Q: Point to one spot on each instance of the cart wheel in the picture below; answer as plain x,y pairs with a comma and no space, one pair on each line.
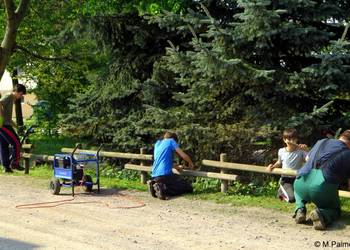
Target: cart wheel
87,187
55,186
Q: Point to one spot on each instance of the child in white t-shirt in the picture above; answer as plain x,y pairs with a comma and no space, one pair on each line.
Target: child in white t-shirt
290,157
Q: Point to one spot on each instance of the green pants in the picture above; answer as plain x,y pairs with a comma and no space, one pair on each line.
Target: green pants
313,188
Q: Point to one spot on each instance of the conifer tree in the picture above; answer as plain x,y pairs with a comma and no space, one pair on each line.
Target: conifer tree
274,63
220,74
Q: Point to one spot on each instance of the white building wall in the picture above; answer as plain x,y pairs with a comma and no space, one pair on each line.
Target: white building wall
6,87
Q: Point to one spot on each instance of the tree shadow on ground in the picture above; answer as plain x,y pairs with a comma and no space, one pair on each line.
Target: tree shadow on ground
106,192
103,192
15,244
342,222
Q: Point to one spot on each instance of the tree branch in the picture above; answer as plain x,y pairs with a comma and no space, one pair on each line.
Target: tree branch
22,9
45,58
345,32
10,9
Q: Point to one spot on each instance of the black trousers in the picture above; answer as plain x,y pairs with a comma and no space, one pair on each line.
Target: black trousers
174,184
9,136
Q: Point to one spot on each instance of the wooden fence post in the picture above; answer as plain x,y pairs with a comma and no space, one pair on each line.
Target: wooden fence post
26,160
224,183
143,173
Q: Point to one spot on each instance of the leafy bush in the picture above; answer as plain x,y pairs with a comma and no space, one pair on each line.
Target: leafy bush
126,174
43,118
206,185
254,189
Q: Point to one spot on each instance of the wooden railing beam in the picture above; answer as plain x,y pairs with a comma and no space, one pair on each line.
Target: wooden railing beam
120,155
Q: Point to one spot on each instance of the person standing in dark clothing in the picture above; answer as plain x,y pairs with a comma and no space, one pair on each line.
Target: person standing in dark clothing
8,135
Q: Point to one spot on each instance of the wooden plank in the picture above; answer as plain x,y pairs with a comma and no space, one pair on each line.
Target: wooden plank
37,157
344,194
224,183
112,154
186,172
259,169
27,146
143,176
137,167
246,167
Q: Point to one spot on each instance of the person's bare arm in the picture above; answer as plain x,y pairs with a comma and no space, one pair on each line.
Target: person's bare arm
277,164
178,167
303,147
185,157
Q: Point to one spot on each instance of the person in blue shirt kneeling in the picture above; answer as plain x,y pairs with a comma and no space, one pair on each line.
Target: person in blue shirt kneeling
164,182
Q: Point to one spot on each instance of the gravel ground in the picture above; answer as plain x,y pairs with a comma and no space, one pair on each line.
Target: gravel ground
178,223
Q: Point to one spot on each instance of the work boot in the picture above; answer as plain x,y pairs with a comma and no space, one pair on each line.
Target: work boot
150,187
7,170
300,216
17,167
159,190
317,220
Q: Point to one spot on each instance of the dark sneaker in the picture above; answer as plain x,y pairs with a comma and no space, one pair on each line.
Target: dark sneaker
159,190
317,220
17,167
300,216
151,188
7,170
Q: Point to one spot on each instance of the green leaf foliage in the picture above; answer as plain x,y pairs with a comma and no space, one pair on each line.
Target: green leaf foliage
221,72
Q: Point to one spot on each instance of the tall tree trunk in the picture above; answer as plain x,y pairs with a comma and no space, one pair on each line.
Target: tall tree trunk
18,104
13,20
7,47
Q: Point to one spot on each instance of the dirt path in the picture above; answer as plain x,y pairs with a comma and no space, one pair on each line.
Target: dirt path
174,224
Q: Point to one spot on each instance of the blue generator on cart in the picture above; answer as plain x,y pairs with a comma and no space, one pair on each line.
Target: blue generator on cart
69,170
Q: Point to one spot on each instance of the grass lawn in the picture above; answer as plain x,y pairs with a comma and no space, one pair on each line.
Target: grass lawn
49,145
